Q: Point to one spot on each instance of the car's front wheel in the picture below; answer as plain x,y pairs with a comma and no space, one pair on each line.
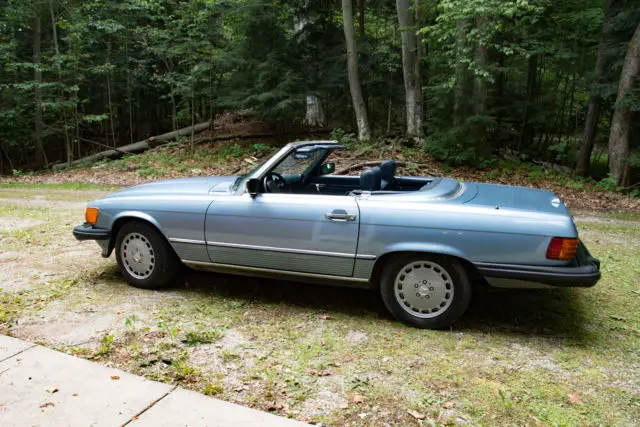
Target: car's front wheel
144,256
427,291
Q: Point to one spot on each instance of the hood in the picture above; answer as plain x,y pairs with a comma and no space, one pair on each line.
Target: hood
518,198
180,186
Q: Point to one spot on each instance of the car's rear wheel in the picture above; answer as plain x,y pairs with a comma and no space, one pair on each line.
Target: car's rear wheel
144,256
427,291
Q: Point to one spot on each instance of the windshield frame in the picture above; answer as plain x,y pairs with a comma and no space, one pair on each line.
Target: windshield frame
239,186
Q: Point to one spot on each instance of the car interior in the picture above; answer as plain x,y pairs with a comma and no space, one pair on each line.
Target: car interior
307,171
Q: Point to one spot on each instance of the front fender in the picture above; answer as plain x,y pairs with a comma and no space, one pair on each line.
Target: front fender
135,214
124,215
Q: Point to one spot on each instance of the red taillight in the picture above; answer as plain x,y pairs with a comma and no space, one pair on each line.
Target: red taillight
563,249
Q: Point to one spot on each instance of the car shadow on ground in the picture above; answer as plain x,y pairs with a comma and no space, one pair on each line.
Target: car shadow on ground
554,313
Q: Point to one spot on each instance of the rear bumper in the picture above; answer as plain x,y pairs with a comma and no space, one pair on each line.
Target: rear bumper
584,271
89,232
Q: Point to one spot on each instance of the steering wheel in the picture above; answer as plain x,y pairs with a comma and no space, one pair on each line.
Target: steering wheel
274,183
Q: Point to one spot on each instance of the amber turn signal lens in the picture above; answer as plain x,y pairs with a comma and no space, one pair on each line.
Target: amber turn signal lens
91,215
562,249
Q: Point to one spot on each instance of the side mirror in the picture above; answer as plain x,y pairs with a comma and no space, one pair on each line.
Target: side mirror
253,187
327,168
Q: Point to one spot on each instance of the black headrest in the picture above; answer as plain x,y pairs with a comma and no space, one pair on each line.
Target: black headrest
370,179
388,169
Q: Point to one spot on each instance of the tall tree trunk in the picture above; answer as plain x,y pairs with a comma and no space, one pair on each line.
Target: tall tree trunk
67,140
411,69
129,92
459,95
621,122
481,85
526,133
111,118
595,100
315,117
174,118
359,106
361,18
41,156
193,124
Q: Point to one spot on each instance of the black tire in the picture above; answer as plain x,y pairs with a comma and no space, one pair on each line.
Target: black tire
164,261
451,296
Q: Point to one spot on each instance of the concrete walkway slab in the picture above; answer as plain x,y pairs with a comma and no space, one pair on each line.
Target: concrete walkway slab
45,387
11,346
187,408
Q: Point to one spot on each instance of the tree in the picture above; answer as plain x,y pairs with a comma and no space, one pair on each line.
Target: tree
595,96
411,69
41,156
359,106
621,122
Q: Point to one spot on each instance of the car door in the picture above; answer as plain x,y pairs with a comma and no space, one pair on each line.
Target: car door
281,231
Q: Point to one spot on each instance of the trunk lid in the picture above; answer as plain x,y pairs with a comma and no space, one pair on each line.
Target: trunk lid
518,198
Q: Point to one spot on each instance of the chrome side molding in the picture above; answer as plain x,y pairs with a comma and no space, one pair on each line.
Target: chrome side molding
277,274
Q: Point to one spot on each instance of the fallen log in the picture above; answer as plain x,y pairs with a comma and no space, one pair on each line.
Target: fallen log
228,137
136,147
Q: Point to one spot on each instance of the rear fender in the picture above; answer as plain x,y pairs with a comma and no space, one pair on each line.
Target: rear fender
435,248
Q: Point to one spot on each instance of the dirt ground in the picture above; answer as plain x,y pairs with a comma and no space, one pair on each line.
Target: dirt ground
331,355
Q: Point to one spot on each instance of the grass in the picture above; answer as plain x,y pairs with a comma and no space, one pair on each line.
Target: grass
62,186
13,305
334,356
624,216
563,357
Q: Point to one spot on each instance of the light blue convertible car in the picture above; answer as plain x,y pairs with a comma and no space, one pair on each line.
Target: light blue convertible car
424,242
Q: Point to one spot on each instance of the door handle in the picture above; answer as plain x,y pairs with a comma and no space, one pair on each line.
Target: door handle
340,216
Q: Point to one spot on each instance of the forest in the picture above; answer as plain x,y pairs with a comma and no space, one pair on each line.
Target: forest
465,80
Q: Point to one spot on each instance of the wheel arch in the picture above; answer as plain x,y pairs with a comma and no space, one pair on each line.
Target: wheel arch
474,275
125,216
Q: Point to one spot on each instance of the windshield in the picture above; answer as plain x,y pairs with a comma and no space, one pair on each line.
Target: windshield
297,162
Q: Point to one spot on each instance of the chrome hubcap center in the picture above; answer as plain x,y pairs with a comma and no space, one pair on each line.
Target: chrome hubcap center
423,291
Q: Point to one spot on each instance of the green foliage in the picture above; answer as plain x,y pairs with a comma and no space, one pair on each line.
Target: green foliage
565,150
105,344
344,137
195,338
496,74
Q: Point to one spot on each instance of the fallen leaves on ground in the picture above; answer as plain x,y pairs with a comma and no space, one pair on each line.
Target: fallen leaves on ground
319,373
574,398
272,406
357,398
417,415
115,377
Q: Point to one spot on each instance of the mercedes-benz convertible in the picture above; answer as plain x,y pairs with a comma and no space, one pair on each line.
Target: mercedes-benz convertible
425,243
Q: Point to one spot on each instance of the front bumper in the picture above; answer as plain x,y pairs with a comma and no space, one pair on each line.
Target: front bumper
100,235
89,232
584,271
